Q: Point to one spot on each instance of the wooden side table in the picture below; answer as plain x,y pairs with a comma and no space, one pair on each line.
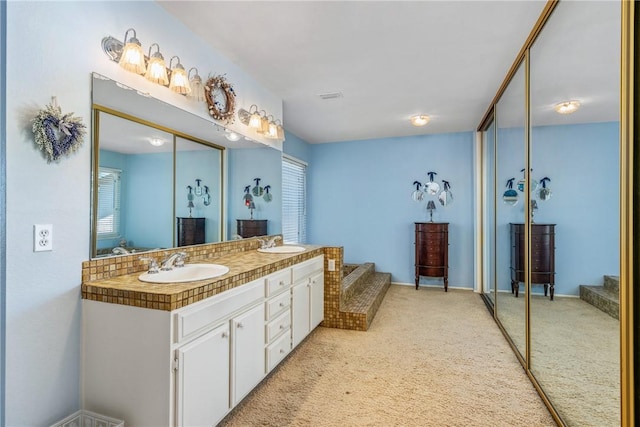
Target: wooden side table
432,251
190,231
252,227
542,257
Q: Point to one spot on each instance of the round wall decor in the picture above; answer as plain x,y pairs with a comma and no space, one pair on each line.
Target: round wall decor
220,98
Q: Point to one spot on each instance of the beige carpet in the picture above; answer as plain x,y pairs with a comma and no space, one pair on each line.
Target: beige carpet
430,358
575,355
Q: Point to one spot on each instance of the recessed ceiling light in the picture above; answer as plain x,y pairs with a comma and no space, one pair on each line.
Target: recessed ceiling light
567,107
156,142
419,119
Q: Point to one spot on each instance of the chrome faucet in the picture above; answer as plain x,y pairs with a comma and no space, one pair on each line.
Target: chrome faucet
153,264
174,260
120,250
266,244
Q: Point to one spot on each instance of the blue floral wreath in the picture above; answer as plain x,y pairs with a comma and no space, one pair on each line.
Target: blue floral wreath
57,134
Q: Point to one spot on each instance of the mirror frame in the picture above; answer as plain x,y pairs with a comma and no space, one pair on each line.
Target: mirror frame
95,154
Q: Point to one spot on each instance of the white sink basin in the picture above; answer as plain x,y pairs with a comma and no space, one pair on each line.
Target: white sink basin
188,273
283,250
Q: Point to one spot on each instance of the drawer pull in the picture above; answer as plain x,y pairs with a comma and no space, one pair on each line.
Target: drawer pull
281,304
281,326
240,325
282,351
224,335
281,283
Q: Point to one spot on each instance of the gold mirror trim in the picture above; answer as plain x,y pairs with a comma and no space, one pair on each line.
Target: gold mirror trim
626,215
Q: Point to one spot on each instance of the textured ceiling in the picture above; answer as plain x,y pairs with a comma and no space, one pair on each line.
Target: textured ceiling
391,59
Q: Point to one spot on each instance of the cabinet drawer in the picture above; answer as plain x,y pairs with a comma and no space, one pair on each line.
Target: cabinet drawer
277,351
198,316
277,304
307,268
278,282
278,325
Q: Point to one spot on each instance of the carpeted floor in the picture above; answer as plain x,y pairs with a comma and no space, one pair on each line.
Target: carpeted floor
575,355
430,358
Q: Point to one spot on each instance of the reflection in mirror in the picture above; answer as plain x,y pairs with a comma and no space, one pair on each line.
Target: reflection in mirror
198,195
576,57
124,101
489,151
510,158
135,181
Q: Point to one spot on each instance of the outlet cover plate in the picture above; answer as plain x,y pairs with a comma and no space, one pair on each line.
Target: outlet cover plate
42,237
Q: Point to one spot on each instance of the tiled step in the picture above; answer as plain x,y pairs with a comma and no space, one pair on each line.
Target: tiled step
612,283
363,304
602,297
352,282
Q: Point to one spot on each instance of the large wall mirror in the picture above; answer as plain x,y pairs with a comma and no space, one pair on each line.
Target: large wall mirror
162,178
575,348
553,250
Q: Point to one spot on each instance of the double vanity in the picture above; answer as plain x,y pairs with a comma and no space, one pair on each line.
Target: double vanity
185,353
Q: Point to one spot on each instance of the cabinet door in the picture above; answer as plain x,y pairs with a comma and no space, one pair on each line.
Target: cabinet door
203,379
300,311
317,300
248,351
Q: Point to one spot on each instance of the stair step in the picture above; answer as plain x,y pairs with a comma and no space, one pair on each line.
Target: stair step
612,283
352,283
603,298
363,305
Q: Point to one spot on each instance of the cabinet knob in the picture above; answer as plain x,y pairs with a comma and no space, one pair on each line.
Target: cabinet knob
224,335
281,283
240,325
281,304
281,326
282,351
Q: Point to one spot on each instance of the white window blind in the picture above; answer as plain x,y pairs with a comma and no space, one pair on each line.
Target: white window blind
294,205
108,203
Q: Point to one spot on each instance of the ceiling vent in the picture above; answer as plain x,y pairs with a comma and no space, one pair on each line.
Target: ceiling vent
330,95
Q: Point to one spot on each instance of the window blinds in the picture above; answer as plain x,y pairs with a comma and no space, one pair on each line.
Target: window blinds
108,203
294,209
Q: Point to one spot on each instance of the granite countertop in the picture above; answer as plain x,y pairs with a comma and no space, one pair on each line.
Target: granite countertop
243,266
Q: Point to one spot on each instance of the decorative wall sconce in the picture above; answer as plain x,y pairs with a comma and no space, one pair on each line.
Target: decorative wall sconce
261,123
132,57
179,82
197,87
156,68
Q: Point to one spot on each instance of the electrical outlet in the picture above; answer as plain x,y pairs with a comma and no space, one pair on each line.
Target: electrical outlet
42,237
332,265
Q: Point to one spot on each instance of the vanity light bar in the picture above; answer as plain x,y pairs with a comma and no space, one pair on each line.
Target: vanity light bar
152,66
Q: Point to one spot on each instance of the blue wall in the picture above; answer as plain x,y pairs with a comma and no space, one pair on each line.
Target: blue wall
359,196
296,147
244,165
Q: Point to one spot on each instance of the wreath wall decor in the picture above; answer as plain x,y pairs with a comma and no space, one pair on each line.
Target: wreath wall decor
57,134
221,98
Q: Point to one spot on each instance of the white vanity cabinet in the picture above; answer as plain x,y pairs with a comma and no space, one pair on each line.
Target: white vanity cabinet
203,379
248,352
191,366
307,297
